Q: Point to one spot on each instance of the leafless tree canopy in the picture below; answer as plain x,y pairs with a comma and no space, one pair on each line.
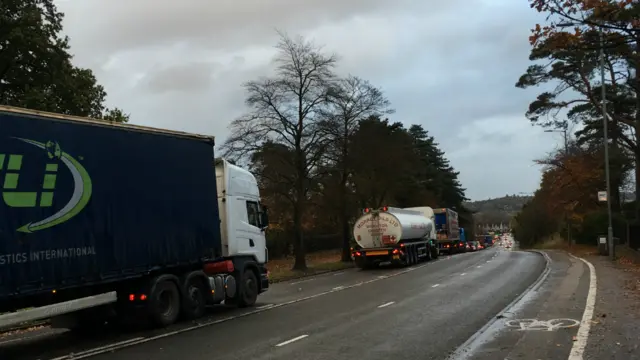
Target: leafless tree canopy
287,109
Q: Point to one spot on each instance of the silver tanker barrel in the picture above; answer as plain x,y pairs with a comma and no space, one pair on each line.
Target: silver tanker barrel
395,235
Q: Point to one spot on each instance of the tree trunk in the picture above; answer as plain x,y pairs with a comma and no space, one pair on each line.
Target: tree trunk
637,163
346,237
344,218
298,244
301,260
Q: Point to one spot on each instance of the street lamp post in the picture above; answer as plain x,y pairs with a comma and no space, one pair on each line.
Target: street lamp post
564,130
605,126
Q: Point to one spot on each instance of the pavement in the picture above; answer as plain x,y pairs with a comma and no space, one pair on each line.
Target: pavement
615,329
492,304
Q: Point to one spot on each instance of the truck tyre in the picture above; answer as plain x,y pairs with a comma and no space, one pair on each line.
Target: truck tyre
194,303
414,255
164,303
248,289
434,252
409,256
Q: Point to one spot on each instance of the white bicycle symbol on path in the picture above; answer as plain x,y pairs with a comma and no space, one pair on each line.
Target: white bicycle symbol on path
539,325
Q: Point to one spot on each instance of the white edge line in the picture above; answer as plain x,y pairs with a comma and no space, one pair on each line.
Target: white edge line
95,351
577,350
292,340
465,350
386,304
301,281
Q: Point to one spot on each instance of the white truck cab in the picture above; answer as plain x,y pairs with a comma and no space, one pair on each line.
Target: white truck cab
243,219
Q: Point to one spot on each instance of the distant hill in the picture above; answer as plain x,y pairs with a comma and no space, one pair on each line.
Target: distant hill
495,211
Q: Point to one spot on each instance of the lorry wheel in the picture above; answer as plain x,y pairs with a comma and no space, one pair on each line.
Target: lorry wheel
194,303
248,289
434,253
164,303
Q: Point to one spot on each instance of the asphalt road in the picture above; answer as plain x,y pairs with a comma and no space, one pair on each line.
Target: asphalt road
424,312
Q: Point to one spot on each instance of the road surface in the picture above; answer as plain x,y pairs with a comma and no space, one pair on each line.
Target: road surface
425,312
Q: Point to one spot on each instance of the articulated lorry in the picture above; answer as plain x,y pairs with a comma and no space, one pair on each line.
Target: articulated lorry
394,235
102,221
450,236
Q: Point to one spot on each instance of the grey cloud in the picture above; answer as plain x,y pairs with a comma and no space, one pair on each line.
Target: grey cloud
118,25
445,65
189,77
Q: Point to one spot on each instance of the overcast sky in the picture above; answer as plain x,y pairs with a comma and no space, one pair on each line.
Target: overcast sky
448,65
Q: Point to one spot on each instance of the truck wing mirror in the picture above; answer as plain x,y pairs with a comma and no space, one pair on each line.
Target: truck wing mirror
264,217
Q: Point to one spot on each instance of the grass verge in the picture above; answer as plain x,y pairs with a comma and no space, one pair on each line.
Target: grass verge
317,263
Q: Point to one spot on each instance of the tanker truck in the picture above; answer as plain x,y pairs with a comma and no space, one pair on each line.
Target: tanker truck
394,235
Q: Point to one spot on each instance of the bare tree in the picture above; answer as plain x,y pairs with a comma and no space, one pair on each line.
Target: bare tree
286,109
352,99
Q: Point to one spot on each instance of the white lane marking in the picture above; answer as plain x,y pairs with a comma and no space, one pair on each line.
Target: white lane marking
339,273
488,261
479,266
577,350
337,288
264,306
292,340
124,344
436,285
386,304
98,350
463,274
301,281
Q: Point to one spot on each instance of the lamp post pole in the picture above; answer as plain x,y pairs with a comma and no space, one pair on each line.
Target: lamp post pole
605,129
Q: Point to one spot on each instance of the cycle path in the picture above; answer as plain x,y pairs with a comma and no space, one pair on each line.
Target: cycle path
549,322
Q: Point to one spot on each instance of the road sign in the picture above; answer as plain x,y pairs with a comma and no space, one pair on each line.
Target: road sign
602,196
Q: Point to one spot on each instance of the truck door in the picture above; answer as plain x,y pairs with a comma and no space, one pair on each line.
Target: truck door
251,238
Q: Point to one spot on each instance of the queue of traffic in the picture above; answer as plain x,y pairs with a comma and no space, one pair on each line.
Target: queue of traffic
406,236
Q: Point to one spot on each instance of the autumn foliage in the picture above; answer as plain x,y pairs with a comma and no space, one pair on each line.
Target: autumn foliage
570,182
585,55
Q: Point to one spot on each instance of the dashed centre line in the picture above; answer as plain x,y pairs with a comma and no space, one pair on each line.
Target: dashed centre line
386,304
292,340
463,274
436,285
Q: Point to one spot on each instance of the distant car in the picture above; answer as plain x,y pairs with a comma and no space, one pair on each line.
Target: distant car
474,245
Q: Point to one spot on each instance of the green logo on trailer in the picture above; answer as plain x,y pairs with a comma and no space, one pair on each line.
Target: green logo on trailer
80,197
